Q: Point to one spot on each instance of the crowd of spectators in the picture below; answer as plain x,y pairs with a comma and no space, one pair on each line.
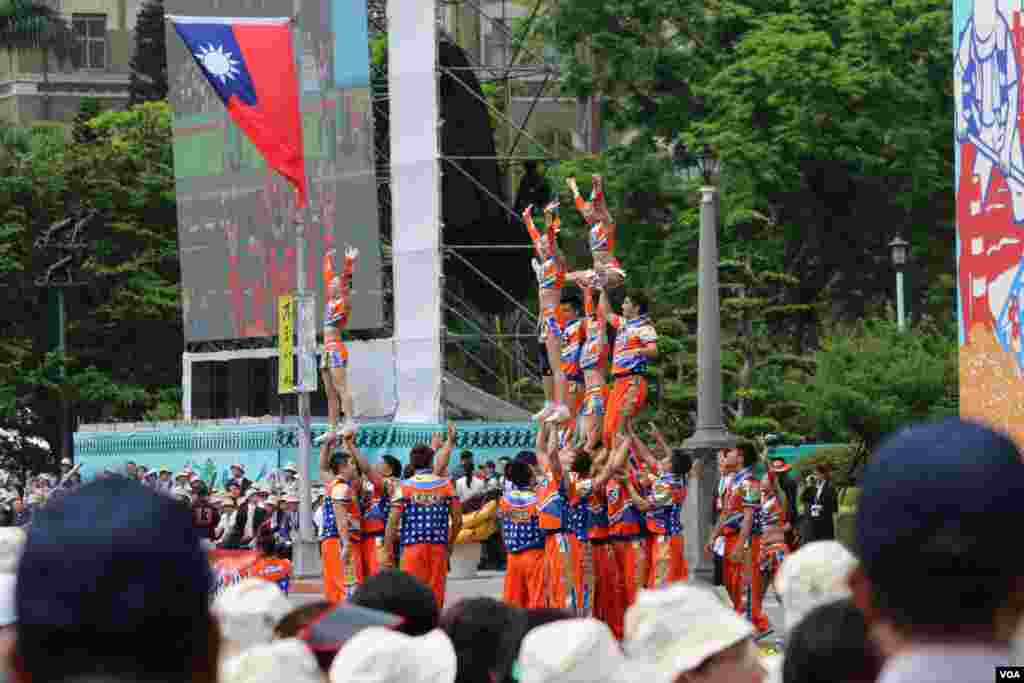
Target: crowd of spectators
111,583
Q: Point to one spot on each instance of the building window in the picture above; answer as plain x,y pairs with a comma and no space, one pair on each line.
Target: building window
90,48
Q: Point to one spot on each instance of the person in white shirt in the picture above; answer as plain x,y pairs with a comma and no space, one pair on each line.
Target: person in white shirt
468,485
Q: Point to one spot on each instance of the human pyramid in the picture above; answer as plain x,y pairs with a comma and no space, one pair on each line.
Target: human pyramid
595,514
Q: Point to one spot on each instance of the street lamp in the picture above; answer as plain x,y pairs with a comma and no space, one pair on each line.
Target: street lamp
898,249
711,434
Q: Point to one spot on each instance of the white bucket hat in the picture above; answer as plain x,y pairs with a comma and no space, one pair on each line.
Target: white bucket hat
12,543
672,630
290,467
573,651
282,660
380,655
816,574
247,612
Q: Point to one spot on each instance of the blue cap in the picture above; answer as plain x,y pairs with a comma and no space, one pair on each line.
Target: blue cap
934,484
117,561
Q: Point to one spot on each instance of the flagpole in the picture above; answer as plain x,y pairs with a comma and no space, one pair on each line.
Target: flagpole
305,556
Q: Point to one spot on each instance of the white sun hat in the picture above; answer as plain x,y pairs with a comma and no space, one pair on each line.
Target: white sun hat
672,630
282,660
247,612
12,543
8,615
290,467
574,651
816,574
380,655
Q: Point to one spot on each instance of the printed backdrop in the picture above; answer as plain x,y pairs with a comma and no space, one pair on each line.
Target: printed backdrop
988,55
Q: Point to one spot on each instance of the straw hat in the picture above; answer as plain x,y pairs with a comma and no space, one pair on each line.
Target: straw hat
573,651
380,655
814,575
672,630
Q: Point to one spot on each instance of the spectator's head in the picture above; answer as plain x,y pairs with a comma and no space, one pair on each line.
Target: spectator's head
107,571
248,611
503,462
270,503
131,470
380,655
165,474
572,651
486,634
748,453
66,465
635,304
195,483
520,474
490,469
817,573
466,459
291,503
237,471
273,662
685,633
572,305
823,470
421,457
831,644
234,490
343,466
403,594
389,466
290,471
935,562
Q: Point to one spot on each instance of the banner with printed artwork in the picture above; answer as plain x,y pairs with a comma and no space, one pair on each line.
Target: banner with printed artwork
213,467
988,55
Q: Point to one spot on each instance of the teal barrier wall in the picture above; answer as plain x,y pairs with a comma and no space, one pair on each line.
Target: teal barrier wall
262,449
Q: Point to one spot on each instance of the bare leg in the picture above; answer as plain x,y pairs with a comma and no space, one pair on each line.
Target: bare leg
340,377
549,388
555,358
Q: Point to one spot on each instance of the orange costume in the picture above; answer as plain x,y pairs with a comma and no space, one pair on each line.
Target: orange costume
665,532
629,391
559,574
524,540
273,569
375,504
626,531
336,313
425,502
342,573
743,494
572,345
609,594
576,527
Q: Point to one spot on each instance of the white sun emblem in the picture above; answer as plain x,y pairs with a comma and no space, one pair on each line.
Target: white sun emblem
218,62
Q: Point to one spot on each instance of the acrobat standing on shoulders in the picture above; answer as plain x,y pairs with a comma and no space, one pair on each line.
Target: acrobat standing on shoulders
334,362
601,236
550,269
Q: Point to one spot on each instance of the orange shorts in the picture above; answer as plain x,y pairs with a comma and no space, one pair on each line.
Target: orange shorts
524,579
340,578
428,562
609,598
631,560
559,575
627,398
373,555
668,563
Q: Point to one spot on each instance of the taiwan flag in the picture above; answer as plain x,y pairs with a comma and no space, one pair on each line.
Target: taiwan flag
251,66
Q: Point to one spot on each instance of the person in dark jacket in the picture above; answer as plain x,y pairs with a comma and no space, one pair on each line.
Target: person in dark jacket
789,487
820,505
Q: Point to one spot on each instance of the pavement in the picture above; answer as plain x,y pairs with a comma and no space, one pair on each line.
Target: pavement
490,583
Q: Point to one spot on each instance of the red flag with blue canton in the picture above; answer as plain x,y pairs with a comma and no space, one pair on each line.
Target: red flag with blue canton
251,66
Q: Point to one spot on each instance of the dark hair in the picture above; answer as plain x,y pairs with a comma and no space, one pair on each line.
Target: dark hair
394,464
93,586
582,463
338,460
490,463
639,297
824,469
519,473
408,471
960,579
296,620
573,299
681,462
421,457
748,451
403,594
266,544
545,615
831,643
486,635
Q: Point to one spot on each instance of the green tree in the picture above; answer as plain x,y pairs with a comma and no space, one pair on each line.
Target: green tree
149,63
871,379
832,119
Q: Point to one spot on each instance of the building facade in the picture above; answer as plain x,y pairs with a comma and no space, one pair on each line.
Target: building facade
35,87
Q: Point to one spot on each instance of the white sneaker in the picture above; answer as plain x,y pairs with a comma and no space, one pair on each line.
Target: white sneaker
326,436
349,428
560,414
544,413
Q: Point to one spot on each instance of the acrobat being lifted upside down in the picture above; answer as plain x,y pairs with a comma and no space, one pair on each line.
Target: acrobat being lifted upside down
334,362
550,269
601,238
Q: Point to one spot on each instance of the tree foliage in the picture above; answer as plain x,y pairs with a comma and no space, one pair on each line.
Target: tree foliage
149,62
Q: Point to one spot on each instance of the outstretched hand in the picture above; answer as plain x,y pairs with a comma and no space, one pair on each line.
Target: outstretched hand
552,206
351,253
528,211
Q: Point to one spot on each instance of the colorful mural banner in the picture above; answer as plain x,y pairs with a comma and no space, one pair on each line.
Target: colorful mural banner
988,56
213,467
